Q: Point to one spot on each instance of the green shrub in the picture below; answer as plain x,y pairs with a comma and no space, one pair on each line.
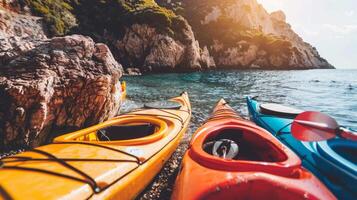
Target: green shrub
270,43
148,12
95,16
40,9
56,13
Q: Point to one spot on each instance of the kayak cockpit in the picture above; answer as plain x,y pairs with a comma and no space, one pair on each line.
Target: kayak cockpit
340,151
121,132
241,144
237,146
128,130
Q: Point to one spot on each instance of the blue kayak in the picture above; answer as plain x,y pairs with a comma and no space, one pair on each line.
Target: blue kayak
333,161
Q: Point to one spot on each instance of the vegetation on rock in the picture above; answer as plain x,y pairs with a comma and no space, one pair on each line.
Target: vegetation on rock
243,34
56,13
270,43
230,34
235,26
113,15
98,16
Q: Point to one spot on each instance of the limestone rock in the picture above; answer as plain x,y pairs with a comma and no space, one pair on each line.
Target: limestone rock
132,71
207,60
18,33
155,51
278,16
16,6
223,25
13,24
53,84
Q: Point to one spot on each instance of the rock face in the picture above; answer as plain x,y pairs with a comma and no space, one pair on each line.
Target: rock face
53,84
17,6
47,85
144,47
25,26
150,38
18,34
242,34
145,36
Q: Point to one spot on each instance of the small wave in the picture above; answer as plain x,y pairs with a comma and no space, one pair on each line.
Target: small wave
350,87
314,81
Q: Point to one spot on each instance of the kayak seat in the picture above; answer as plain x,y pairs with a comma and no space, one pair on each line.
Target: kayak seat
251,146
125,132
279,110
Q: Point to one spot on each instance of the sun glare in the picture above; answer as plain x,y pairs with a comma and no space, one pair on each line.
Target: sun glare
272,5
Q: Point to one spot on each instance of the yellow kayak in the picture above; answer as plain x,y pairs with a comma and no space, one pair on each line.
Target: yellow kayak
123,90
116,159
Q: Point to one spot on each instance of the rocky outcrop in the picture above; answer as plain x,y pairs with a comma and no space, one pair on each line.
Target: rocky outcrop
149,50
23,26
147,37
54,84
48,85
242,34
17,6
304,54
18,33
150,38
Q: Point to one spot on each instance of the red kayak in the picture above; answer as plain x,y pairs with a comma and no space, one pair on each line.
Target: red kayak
232,158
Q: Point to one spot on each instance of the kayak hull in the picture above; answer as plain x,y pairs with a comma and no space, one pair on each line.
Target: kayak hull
198,182
337,173
120,169
276,174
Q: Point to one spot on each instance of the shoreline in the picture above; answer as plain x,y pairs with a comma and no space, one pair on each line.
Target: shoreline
232,70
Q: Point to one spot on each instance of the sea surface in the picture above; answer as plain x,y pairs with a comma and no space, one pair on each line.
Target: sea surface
333,92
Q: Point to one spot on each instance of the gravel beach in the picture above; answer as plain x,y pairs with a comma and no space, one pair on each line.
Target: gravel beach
162,186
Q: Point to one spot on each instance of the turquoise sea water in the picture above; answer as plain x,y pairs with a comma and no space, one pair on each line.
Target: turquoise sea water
330,91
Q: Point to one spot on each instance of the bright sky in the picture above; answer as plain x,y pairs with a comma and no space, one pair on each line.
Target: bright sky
329,25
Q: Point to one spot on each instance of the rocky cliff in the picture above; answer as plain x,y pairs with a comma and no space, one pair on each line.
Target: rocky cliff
242,34
143,35
153,37
47,85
